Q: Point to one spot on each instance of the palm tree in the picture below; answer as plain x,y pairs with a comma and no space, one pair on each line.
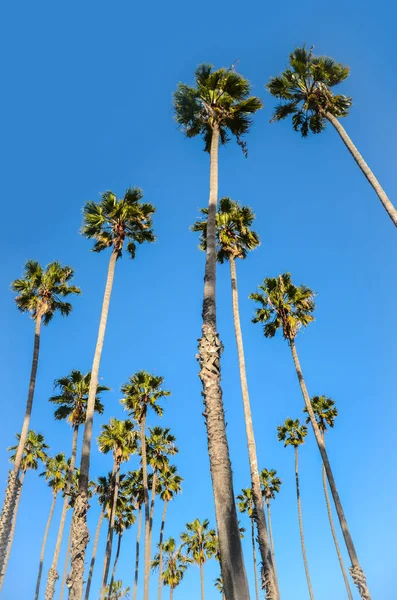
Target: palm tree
326,412
110,223
218,106
292,433
116,591
170,486
72,403
246,504
235,239
118,437
305,91
201,544
56,469
219,586
270,487
125,518
143,391
288,307
175,564
39,293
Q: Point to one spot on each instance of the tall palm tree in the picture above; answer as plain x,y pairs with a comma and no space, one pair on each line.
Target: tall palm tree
219,586
125,518
56,470
245,504
326,412
305,91
201,544
72,403
270,487
175,564
292,433
111,223
289,308
116,591
235,239
119,437
219,105
170,486
39,293
141,392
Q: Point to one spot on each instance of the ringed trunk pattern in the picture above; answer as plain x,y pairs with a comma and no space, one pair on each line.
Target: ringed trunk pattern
298,497
14,522
160,585
65,567
138,541
47,529
94,551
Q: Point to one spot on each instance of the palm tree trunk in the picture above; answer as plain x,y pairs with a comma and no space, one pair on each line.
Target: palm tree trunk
47,529
109,541
146,575
80,533
160,585
269,520
298,497
269,573
387,205
334,536
171,592
115,561
153,497
53,575
94,551
138,541
14,522
202,580
356,571
65,566
254,558
13,484
210,348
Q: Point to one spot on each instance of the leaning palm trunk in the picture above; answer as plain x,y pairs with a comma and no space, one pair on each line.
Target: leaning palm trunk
116,560
65,566
254,558
356,571
210,349
268,570
13,484
53,573
109,541
298,497
14,522
47,529
146,575
202,580
80,533
387,205
94,551
138,541
160,586
269,520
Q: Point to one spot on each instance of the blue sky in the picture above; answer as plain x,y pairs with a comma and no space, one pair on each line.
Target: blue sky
87,106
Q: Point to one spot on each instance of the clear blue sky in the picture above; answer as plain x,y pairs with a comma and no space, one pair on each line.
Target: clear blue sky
87,106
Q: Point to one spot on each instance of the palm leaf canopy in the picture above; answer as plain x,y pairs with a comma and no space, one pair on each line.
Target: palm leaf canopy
283,305
33,452
292,433
118,437
304,90
159,445
40,291
270,483
112,221
175,563
116,591
169,483
245,502
142,391
56,471
233,234
324,410
201,542
134,487
219,98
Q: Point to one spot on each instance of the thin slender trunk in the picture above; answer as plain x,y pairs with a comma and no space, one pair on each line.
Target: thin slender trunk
146,575
43,545
13,484
160,586
298,497
269,573
138,541
254,558
109,541
153,497
210,349
269,520
171,593
80,533
202,580
116,560
14,522
387,205
53,575
356,571
66,564
334,536
94,551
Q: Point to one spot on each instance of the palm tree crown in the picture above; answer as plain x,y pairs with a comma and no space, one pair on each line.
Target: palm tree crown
118,437
169,483
246,502
73,396
143,390
117,592
270,483
111,221
305,91
56,470
325,412
292,433
234,236
159,444
219,99
174,563
33,452
200,541
40,290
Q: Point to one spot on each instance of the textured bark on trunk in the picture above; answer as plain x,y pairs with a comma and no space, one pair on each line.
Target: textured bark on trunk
138,542
160,585
43,545
53,575
93,558
14,522
146,575
356,571
202,580
298,497
109,540
116,560
269,520
80,533
210,348
66,564
254,558
387,205
268,571
13,484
